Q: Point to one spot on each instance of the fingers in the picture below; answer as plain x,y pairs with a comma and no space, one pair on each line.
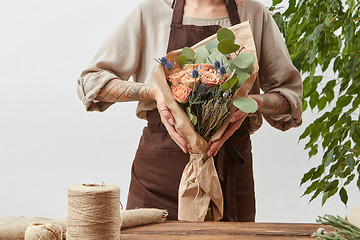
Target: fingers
165,113
215,146
237,116
168,120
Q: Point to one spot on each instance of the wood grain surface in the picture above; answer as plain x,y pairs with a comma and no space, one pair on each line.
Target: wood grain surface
221,230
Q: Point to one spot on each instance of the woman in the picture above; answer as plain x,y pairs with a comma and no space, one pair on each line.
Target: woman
156,27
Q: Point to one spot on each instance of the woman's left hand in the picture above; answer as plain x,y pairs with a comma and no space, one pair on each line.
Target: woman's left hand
236,120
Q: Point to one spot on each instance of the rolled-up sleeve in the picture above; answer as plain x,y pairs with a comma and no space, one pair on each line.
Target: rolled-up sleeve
278,75
117,58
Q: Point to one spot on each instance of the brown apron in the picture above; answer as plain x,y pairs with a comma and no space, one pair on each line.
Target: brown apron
159,162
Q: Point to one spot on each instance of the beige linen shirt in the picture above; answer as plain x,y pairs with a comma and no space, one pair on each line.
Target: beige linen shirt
130,51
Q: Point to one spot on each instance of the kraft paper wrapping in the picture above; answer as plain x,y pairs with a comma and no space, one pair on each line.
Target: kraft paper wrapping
199,182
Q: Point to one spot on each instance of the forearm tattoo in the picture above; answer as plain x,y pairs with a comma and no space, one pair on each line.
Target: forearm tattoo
273,103
124,91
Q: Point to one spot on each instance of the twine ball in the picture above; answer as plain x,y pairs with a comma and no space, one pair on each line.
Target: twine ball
93,212
43,231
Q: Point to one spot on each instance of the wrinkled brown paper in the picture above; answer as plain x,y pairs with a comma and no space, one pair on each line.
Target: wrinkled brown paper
199,182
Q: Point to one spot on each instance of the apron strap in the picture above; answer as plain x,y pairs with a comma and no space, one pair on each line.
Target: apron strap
178,12
232,11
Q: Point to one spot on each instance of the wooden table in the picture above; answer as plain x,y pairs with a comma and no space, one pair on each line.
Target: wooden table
221,230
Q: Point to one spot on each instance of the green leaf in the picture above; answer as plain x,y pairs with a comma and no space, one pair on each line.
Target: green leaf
324,198
311,188
213,50
181,60
307,176
230,82
242,77
331,186
247,105
305,133
192,117
349,179
202,52
219,57
304,105
276,2
211,44
353,64
343,101
343,195
188,53
322,103
225,34
291,8
329,157
313,151
314,99
317,30
317,173
350,161
227,46
244,60
200,60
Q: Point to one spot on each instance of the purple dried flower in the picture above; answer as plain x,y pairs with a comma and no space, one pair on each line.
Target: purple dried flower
168,66
222,70
195,73
216,65
163,60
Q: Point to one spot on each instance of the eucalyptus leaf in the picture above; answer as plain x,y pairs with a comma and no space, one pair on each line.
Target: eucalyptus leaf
216,56
225,34
244,60
200,60
211,44
181,60
188,53
213,50
202,52
227,46
247,105
242,76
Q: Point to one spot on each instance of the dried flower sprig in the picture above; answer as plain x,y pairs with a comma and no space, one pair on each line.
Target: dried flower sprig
343,229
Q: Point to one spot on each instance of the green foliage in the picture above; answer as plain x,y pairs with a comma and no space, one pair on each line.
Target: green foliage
323,39
247,105
226,40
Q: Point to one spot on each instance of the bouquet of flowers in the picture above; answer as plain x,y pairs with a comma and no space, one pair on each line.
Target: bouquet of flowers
202,86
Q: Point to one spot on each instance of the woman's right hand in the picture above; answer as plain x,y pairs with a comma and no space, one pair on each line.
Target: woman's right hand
167,118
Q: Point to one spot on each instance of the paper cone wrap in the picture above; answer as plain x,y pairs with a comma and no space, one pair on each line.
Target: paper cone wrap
199,182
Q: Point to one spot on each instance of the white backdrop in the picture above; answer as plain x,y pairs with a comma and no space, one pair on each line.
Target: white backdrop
48,141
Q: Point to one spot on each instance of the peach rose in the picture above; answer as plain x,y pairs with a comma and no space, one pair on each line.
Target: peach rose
188,81
209,78
180,92
175,78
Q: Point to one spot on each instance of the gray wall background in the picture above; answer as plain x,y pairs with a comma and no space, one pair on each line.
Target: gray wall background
48,141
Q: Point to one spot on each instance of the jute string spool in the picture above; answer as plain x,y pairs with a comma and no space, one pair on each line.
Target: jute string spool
93,212
43,231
